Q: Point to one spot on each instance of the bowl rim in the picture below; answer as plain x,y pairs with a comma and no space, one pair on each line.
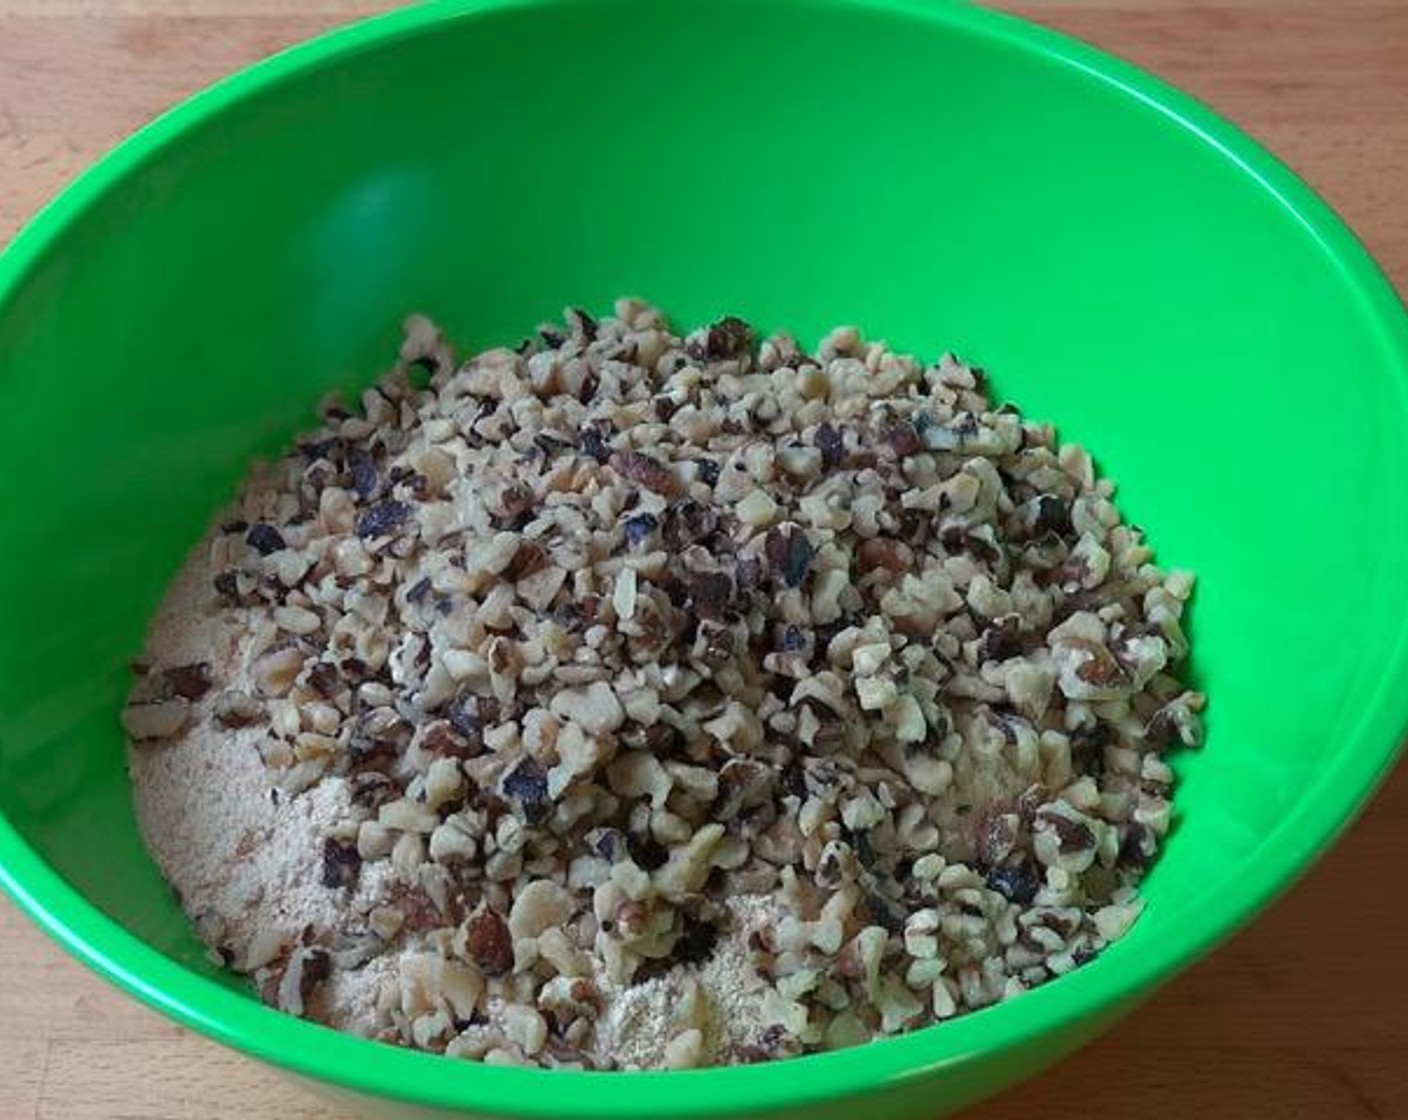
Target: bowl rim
1040,1017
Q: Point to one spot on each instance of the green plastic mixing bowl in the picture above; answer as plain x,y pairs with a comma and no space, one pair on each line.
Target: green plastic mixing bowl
1126,264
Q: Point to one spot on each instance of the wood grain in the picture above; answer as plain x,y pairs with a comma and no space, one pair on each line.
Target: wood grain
1303,1016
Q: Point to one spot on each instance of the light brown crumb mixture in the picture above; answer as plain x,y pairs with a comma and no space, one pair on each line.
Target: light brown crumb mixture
626,700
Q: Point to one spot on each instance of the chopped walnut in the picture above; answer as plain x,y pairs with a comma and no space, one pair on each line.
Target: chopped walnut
610,631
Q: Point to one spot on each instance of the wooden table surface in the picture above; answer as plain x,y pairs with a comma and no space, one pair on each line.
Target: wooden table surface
1303,1016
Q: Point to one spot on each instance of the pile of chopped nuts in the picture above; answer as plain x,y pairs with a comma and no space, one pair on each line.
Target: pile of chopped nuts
608,629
